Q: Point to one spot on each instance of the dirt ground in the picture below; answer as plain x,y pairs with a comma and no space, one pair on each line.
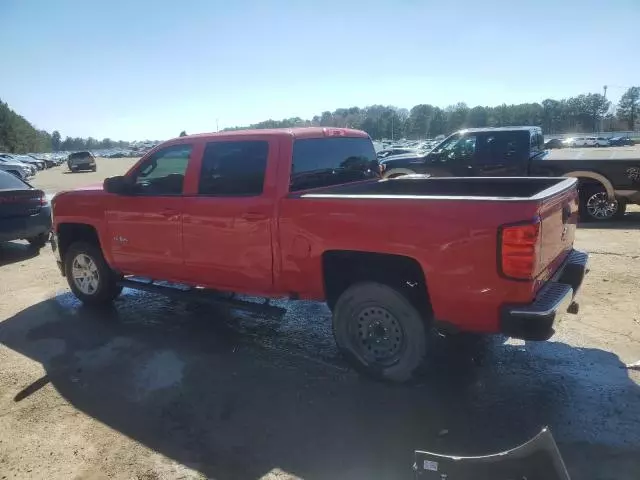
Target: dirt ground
157,388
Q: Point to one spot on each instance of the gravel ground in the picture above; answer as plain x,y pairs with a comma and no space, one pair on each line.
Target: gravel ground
157,388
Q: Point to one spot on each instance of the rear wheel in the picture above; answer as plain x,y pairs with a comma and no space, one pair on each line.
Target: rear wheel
596,206
89,276
379,331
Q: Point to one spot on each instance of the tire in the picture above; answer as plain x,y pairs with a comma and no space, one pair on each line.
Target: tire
105,288
369,310
94,169
39,241
592,200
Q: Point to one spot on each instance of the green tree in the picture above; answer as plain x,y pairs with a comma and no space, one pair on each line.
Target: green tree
419,121
183,133
595,106
629,106
478,117
55,140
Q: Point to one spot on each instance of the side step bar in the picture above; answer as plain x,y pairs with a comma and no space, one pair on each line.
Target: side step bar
183,292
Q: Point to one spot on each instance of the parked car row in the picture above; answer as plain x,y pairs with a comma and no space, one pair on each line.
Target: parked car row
589,142
25,166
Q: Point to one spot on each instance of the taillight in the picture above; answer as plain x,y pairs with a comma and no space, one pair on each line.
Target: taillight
43,199
519,250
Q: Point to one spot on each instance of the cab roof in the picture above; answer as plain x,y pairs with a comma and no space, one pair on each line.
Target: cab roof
501,129
300,132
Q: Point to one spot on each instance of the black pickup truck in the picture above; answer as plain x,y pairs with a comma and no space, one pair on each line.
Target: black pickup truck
609,178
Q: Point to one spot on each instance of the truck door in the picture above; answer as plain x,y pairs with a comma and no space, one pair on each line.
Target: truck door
501,154
145,226
227,223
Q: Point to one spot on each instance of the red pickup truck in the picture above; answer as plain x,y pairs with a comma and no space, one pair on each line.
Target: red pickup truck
304,214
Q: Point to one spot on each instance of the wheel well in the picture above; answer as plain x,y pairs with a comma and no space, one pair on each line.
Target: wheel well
343,268
589,183
73,232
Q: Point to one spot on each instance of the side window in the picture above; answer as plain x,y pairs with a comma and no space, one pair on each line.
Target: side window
234,168
497,148
537,142
321,162
463,149
163,172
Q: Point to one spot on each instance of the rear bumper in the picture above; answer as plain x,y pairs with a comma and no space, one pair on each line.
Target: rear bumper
26,227
82,166
536,321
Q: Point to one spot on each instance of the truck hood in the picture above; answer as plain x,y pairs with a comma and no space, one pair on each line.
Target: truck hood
87,189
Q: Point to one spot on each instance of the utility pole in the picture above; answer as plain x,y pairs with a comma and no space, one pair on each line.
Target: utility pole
392,128
217,129
605,98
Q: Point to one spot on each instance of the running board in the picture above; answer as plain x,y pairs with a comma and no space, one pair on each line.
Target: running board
183,292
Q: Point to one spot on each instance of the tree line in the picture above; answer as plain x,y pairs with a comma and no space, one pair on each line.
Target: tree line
581,114
17,135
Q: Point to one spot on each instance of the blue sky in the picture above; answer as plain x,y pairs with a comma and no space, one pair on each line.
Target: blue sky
148,69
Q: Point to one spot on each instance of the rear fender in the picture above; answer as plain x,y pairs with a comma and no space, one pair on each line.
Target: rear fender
595,176
397,171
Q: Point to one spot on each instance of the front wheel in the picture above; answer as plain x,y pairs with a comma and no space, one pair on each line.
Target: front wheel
89,276
379,331
596,206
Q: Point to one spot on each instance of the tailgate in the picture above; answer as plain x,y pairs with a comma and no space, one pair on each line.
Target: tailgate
558,221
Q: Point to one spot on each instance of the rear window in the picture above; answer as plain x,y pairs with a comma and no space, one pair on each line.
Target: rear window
77,155
320,162
11,182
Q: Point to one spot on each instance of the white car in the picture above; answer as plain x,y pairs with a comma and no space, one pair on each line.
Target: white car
588,142
582,142
19,169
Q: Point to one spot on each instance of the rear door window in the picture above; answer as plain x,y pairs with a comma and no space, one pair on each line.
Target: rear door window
498,148
234,168
321,162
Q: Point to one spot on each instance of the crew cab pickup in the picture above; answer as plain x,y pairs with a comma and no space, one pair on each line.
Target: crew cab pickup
304,214
609,178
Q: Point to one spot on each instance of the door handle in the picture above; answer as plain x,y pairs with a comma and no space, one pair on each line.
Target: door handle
253,217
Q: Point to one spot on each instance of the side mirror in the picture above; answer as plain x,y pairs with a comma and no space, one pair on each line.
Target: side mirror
119,185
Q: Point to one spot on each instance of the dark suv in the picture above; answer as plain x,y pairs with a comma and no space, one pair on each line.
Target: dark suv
81,161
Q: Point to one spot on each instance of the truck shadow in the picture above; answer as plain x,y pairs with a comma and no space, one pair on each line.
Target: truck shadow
14,252
234,396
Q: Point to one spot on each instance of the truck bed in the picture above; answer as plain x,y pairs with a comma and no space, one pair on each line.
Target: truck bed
454,188
631,154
